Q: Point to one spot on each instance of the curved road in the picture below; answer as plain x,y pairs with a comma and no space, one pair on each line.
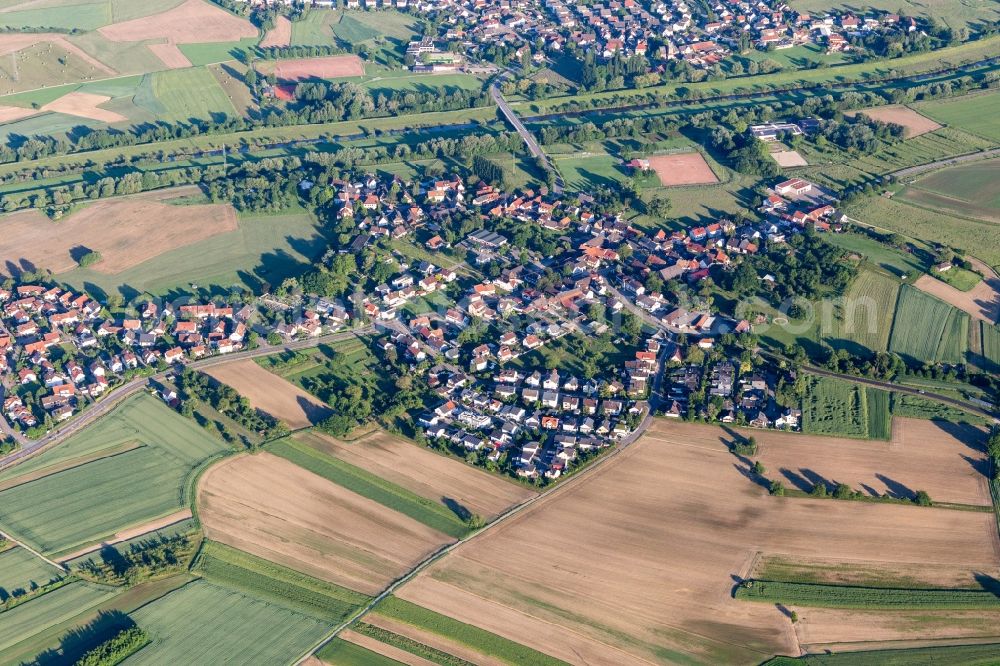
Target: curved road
118,394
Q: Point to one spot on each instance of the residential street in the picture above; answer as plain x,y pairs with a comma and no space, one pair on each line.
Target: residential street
113,398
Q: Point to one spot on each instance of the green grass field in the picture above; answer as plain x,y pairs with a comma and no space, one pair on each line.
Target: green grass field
989,347
339,652
864,313
466,634
972,113
912,406
589,171
839,408
954,341
893,260
83,16
35,616
213,52
869,598
976,237
879,414
966,190
212,624
384,33
967,655
960,278
22,572
923,328
72,506
266,580
189,94
430,512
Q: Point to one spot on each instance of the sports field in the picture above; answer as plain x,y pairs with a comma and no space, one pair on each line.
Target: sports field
682,169
926,329
584,173
637,565
128,468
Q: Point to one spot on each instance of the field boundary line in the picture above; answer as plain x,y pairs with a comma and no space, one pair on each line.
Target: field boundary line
31,550
570,483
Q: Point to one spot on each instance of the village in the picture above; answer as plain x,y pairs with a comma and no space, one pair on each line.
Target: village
701,35
62,350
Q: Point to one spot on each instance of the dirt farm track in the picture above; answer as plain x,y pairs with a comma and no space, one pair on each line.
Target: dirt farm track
637,565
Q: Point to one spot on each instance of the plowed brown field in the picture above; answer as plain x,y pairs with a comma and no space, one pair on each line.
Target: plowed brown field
193,22
277,510
637,563
423,472
270,393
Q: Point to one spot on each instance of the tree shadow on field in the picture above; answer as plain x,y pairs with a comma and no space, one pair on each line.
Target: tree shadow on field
75,643
797,480
895,488
967,434
746,470
988,583
457,508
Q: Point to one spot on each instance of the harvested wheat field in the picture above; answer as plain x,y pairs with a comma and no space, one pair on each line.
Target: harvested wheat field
914,123
789,158
170,55
270,393
12,42
947,460
126,231
193,22
84,105
275,509
682,169
637,563
982,301
329,67
423,472
279,35
12,113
